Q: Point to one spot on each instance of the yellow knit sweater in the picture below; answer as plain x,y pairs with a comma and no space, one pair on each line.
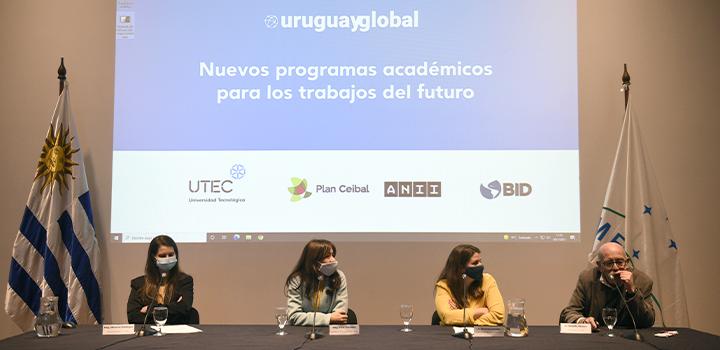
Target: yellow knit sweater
491,299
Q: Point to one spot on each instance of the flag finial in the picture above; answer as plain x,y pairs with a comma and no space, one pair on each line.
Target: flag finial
62,74
625,84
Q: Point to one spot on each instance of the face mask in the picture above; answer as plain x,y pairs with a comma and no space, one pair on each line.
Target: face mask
328,269
166,264
475,272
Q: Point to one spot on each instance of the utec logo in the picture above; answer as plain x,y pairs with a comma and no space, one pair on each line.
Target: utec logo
354,23
217,185
507,189
237,171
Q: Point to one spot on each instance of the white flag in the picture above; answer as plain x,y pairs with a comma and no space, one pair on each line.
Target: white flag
55,251
634,216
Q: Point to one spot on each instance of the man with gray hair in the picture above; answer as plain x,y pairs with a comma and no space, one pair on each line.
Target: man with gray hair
597,288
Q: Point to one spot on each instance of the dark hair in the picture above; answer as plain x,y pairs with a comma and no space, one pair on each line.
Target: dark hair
307,267
152,273
454,269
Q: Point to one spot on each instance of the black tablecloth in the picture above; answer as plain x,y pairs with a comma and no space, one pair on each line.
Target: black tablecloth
371,337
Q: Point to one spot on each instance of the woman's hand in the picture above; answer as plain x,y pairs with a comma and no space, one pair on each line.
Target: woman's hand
144,309
480,311
453,305
338,317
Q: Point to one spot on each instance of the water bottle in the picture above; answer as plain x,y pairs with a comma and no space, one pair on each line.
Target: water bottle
516,324
47,321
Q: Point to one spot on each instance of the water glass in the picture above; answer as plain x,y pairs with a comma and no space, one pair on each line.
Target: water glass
160,315
281,317
406,315
609,315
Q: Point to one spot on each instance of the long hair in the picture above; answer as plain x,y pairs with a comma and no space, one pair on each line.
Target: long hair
454,269
152,273
307,267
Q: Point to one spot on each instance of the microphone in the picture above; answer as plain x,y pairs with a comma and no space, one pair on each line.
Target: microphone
466,333
313,334
637,336
615,277
141,331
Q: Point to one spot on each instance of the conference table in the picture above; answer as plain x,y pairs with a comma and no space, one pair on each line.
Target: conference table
370,337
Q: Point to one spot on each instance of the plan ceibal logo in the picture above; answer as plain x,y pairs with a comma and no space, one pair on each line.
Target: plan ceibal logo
298,190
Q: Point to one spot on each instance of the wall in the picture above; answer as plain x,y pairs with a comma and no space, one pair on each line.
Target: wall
672,51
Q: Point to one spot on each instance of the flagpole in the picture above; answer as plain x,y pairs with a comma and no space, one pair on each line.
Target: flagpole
626,89
62,74
626,84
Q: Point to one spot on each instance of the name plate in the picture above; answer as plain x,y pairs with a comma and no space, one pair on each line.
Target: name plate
575,328
458,331
344,329
118,329
487,331
481,331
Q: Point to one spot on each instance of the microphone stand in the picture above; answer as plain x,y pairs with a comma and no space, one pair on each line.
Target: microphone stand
466,333
141,331
313,334
637,336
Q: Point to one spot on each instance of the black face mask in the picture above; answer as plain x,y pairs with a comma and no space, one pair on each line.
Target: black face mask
475,272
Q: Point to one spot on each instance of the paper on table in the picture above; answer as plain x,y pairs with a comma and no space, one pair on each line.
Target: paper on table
177,329
666,334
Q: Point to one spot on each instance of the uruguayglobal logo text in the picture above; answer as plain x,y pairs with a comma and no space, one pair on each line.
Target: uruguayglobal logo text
353,23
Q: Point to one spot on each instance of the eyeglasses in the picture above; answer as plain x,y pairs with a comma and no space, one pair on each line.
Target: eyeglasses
620,263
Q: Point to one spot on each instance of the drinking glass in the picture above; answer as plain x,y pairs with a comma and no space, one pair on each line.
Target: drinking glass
609,315
281,318
160,315
406,314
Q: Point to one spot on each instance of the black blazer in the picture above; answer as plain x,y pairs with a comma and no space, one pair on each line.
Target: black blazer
178,311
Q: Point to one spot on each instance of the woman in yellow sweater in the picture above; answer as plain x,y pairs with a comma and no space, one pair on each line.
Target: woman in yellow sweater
462,285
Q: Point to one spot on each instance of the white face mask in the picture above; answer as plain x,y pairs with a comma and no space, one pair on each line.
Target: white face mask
328,269
166,264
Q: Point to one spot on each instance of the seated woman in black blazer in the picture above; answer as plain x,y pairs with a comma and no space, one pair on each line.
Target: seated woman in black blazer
163,281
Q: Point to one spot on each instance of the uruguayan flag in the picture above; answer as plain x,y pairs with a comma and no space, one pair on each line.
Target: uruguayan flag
55,251
634,215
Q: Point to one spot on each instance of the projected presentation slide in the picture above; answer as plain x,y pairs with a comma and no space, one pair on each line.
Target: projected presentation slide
240,121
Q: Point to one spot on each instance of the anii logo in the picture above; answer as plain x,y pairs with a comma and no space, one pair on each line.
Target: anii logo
508,189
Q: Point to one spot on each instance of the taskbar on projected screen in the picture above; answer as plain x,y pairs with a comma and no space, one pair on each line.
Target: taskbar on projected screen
246,237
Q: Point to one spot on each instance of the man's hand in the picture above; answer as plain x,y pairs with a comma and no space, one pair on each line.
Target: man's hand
627,280
338,317
590,320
